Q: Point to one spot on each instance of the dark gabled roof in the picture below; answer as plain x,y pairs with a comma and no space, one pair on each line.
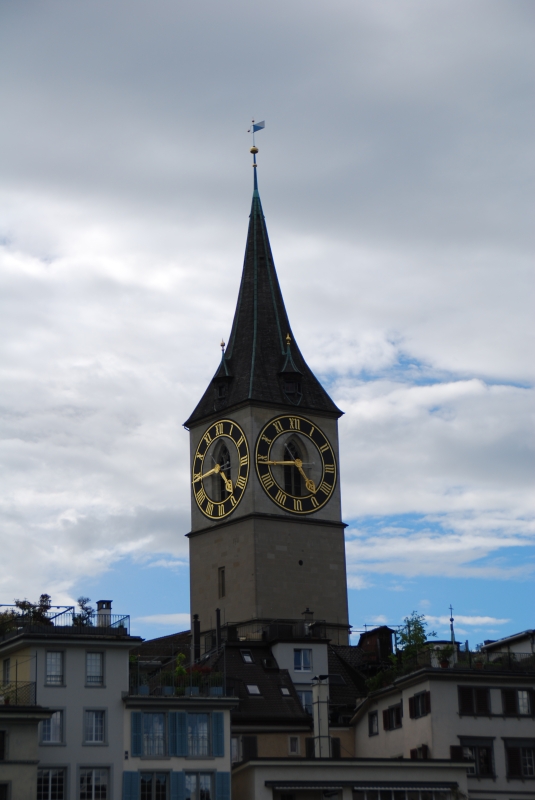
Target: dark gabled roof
258,352
351,685
270,707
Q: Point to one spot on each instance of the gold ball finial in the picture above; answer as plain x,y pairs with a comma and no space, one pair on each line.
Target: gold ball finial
288,338
254,150
222,344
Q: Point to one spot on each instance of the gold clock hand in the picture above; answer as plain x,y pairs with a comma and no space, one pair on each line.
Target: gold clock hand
216,469
311,486
279,463
227,482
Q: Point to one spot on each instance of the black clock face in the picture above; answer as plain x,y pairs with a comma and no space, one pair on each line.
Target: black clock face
220,469
295,464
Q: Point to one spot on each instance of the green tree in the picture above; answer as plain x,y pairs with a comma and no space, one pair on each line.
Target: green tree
413,636
85,612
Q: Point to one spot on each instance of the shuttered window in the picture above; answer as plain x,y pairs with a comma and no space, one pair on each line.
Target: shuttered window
474,700
520,758
420,705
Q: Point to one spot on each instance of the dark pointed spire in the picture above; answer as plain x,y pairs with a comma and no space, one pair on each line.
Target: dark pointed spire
261,363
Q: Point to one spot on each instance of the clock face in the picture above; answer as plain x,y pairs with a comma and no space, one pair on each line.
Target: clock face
295,464
220,469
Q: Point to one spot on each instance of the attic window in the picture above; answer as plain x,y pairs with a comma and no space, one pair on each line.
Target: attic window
292,388
285,691
247,656
252,688
221,390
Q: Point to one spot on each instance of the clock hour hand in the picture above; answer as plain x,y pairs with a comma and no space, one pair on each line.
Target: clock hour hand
227,482
311,486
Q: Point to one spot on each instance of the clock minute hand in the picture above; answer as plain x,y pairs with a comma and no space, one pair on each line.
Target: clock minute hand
311,486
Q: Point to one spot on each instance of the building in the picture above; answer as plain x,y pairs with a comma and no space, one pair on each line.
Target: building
473,710
115,727
19,725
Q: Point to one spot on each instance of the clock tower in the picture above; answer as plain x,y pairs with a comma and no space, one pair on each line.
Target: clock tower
267,538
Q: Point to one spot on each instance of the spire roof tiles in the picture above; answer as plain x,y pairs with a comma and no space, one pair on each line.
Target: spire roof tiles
259,353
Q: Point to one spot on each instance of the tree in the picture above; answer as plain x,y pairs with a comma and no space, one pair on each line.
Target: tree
413,636
26,612
85,612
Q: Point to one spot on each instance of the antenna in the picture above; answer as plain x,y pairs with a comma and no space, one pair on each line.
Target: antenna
451,626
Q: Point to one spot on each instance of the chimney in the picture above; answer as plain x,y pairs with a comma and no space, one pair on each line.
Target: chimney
104,613
320,713
196,639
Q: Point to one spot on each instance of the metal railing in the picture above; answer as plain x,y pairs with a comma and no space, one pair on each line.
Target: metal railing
61,619
17,693
263,630
171,674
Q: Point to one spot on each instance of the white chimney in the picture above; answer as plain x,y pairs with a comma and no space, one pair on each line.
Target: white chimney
320,714
104,613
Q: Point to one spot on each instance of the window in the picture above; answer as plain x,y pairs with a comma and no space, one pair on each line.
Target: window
392,717
54,669
52,729
199,786
6,669
94,673
303,660
50,784
235,749
292,476
221,581
252,688
292,388
153,786
517,702
520,758
336,747
247,656
4,787
285,691
198,734
94,721
153,733
293,745
478,751
403,794
249,746
94,784
373,723
221,477
305,697
420,753
473,700
420,705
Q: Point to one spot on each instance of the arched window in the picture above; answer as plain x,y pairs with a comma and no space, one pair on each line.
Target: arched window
223,460
292,476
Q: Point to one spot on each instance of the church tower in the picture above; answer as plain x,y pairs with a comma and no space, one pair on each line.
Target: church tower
267,539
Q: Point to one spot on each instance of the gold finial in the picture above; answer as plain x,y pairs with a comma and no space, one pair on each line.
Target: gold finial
288,339
222,345
254,150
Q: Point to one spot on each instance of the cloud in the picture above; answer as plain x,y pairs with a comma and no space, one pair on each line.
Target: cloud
401,236
466,620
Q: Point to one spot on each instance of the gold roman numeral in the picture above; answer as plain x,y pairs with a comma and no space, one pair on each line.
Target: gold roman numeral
219,429
241,482
324,487
231,429
207,438
314,502
312,430
240,441
244,460
221,510
265,439
329,467
261,459
200,456
197,477
295,424
278,426
298,505
267,480
233,501
324,447
281,498
201,496
209,507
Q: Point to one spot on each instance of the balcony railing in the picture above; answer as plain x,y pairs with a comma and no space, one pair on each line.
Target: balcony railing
64,620
17,693
165,683
263,630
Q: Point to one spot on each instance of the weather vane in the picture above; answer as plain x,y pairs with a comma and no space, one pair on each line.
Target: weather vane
256,126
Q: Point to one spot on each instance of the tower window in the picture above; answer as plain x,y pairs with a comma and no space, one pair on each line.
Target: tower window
221,390
224,462
221,581
292,476
291,387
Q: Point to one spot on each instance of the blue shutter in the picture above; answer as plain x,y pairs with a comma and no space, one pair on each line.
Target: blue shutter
222,786
181,733
171,724
136,745
130,785
178,786
218,734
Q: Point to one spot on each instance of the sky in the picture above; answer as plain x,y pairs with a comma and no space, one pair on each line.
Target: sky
396,175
